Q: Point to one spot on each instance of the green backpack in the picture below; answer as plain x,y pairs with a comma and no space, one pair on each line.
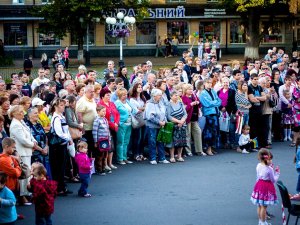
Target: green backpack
165,133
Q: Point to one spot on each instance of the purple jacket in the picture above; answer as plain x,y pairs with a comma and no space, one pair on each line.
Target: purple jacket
84,162
189,109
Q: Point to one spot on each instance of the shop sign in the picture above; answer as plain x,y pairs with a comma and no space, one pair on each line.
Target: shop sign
158,13
214,12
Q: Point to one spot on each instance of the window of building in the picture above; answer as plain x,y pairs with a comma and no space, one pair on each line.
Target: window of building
15,33
237,32
272,32
18,1
179,29
146,33
91,36
48,39
209,30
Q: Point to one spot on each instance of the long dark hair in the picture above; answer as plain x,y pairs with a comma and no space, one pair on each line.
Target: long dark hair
120,72
134,94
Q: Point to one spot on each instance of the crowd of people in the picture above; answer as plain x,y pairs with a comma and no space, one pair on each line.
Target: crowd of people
65,127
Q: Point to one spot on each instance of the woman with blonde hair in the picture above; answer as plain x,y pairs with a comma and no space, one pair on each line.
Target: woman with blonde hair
44,61
192,106
236,65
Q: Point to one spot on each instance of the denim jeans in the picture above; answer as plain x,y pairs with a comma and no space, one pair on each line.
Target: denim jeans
85,180
137,137
43,220
154,144
298,182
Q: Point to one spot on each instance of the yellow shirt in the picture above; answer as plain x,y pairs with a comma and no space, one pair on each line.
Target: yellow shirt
88,109
43,119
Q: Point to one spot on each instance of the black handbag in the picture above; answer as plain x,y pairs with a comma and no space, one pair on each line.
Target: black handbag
54,139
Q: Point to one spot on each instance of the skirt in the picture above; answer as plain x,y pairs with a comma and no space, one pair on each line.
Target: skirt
264,193
287,119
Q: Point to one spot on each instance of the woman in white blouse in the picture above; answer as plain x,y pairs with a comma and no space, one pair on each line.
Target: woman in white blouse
25,143
58,152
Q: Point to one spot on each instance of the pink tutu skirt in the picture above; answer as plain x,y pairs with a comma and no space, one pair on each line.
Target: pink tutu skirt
264,193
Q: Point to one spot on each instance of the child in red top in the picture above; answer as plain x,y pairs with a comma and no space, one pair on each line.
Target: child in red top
84,166
43,194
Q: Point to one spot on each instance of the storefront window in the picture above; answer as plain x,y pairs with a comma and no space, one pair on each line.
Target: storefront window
209,30
272,32
48,39
179,29
91,36
146,33
237,32
15,34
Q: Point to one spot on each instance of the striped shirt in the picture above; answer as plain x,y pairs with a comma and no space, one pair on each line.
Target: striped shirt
241,101
100,128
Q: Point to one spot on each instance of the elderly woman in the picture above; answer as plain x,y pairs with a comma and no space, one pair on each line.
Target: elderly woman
25,143
113,117
228,106
155,115
58,152
38,132
210,108
161,85
123,135
192,104
176,113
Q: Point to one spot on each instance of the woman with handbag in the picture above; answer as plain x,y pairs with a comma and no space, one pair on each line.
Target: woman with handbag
138,101
176,113
113,117
25,144
40,136
192,106
228,109
60,138
123,135
210,108
155,116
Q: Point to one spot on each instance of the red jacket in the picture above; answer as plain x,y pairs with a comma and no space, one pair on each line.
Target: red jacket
11,167
43,195
112,114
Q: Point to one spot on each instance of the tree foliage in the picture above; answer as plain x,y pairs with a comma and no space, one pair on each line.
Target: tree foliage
64,16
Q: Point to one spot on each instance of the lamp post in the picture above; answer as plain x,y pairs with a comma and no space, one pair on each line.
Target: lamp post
87,53
120,27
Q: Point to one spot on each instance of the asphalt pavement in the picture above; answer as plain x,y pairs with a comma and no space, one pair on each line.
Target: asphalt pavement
200,191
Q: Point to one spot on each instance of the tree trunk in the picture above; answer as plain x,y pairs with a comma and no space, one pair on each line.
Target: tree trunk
80,49
253,35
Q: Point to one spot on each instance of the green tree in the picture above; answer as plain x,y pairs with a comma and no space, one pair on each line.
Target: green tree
251,12
72,16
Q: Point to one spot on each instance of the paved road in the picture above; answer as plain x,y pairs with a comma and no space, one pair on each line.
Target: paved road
201,191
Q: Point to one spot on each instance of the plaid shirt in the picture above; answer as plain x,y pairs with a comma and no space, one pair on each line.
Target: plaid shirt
100,128
44,192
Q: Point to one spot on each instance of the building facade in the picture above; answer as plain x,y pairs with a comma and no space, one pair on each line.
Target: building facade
180,18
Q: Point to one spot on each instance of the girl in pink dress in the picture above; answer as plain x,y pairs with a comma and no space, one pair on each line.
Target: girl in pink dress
264,192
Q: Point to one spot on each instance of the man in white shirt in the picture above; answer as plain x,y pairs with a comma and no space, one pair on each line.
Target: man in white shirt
41,79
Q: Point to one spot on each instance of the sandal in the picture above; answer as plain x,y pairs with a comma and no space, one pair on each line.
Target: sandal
138,158
172,160
180,159
293,144
143,158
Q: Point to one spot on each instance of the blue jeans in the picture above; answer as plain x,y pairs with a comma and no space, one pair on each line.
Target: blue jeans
43,220
298,182
246,119
85,180
137,137
153,144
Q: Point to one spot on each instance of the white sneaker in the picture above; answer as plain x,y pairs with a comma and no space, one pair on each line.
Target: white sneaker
285,139
290,139
153,162
164,161
107,168
245,151
113,167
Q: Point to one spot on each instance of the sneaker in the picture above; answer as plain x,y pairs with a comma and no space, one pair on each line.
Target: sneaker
102,173
113,167
285,139
290,139
128,162
121,163
245,151
107,168
189,154
164,161
153,162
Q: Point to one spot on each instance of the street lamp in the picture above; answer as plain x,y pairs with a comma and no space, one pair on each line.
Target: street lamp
87,53
120,27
